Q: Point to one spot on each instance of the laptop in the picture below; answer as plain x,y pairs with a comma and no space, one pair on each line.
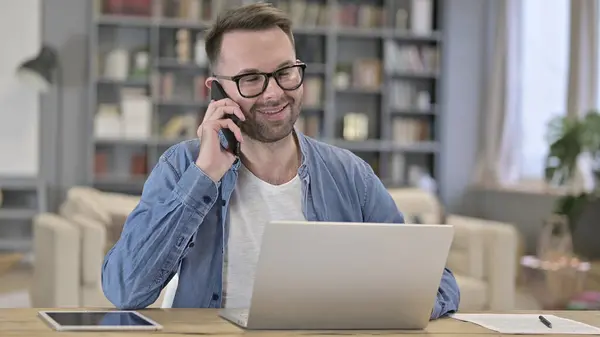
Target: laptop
329,276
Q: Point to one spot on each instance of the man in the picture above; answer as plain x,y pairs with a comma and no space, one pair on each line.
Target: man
203,210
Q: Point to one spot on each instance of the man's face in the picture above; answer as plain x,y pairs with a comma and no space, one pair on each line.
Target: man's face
270,116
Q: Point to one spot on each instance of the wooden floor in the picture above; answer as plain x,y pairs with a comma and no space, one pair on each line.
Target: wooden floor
18,279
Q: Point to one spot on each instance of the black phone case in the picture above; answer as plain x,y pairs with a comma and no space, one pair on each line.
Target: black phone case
217,93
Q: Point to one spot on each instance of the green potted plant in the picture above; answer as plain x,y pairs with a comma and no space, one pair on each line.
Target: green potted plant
568,138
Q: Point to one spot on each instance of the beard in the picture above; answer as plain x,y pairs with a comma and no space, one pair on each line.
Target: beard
260,128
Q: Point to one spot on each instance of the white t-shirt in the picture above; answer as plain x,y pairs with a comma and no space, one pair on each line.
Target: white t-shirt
253,204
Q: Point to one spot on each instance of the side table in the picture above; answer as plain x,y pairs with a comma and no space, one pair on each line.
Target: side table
554,283
592,279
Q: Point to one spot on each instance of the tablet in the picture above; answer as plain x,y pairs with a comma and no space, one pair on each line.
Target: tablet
98,320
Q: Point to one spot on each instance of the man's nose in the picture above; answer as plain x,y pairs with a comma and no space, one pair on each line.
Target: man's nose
273,89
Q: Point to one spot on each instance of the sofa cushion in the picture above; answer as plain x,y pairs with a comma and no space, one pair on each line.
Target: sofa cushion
109,209
415,201
84,200
118,207
468,247
473,293
92,296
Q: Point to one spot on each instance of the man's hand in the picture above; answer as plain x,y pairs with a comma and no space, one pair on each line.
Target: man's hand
213,159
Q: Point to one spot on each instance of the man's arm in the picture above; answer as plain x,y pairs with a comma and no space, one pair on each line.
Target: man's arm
379,207
156,235
448,296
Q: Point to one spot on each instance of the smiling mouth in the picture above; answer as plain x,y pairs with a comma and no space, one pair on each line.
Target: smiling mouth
273,111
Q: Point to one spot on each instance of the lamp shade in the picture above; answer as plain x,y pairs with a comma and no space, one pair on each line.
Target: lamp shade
38,71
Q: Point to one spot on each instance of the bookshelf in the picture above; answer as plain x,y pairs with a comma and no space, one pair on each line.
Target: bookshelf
21,199
371,84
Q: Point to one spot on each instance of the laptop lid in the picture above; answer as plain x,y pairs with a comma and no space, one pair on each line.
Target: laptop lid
327,275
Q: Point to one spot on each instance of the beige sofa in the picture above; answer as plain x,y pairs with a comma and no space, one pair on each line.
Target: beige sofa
483,256
69,248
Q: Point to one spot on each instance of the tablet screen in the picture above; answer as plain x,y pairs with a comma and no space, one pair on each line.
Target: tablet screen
99,318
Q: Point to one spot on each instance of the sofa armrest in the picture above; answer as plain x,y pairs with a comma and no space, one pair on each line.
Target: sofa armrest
467,250
93,248
502,240
499,263
56,273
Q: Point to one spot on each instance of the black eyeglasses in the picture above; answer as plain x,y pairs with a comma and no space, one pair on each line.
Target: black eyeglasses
254,84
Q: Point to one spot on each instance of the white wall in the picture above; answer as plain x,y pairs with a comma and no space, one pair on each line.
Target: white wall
20,38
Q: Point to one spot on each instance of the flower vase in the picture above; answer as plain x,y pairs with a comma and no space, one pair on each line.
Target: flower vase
555,241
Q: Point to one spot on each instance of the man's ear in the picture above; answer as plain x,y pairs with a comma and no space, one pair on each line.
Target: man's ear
209,81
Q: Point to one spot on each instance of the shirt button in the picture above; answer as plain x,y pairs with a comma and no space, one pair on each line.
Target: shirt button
191,244
206,199
223,202
215,296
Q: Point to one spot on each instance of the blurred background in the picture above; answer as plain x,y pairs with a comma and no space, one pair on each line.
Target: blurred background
476,113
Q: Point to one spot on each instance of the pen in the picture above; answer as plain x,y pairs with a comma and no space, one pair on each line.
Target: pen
545,321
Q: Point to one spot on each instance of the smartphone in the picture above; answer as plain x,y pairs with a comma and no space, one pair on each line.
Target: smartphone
217,93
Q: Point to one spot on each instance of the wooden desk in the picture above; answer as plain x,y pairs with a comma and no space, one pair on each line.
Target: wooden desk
205,322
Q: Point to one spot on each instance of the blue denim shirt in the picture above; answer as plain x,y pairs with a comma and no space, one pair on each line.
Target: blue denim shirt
179,225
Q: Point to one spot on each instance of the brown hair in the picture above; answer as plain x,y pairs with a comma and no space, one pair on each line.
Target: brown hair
254,17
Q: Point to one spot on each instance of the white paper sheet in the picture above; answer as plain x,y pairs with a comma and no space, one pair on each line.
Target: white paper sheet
528,324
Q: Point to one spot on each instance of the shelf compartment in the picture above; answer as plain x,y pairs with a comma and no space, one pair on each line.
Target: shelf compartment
17,214
16,244
124,20
173,63
131,160
387,146
133,82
